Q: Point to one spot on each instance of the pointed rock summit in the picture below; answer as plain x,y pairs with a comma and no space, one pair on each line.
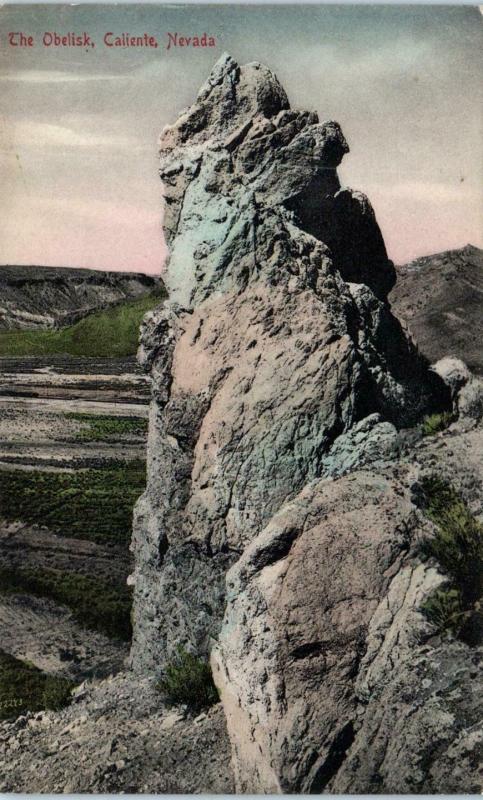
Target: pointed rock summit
239,151
276,367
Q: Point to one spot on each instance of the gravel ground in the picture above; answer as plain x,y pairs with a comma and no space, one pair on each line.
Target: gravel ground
117,737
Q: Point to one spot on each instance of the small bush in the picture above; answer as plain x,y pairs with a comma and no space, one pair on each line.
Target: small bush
444,610
458,543
458,547
56,693
434,423
188,681
24,687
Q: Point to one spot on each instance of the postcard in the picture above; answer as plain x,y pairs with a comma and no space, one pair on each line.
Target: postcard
241,399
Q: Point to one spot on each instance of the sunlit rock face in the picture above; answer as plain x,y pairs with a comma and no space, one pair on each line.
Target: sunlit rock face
276,362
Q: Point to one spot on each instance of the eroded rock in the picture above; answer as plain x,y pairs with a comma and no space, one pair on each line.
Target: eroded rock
279,373
263,356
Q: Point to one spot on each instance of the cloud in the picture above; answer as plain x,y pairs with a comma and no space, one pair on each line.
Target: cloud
30,134
426,192
52,76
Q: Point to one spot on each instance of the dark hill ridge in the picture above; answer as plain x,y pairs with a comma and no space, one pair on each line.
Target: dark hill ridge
441,297
33,297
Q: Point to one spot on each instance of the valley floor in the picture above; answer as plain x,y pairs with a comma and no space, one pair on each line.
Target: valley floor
72,451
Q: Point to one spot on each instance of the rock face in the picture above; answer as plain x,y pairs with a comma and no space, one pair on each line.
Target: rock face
277,366
51,297
466,389
319,662
264,355
440,297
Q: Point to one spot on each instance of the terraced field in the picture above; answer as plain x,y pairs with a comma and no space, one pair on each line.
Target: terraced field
72,463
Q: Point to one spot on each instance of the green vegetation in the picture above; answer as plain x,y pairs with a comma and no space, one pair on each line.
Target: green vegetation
99,428
458,548
94,504
23,688
95,604
112,332
434,423
188,681
444,610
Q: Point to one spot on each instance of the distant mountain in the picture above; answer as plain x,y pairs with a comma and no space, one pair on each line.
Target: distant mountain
52,297
441,298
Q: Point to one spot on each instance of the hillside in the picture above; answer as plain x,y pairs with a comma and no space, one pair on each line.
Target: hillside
52,297
441,297
111,332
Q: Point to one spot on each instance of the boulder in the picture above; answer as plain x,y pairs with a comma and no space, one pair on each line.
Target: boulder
466,389
325,685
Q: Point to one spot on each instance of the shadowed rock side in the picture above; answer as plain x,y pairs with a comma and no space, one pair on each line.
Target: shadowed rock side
276,351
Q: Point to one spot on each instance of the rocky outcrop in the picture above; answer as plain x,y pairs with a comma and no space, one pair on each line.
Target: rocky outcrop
324,681
263,356
466,389
276,529
52,297
440,297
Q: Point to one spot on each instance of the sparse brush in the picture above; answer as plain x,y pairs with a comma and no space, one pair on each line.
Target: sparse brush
458,547
94,504
444,610
187,680
95,604
98,429
434,423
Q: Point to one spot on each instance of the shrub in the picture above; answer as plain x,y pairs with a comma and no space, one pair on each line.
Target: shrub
444,610
188,681
458,543
434,423
56,692
458,547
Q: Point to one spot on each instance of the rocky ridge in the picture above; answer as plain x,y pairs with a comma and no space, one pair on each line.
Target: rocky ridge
440,297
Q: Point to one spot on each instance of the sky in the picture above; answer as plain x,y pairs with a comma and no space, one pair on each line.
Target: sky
79,126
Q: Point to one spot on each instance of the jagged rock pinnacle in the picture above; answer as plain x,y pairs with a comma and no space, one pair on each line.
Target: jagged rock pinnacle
276,354
240,144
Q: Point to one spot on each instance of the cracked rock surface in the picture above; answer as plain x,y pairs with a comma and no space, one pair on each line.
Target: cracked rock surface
269,349
279,529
